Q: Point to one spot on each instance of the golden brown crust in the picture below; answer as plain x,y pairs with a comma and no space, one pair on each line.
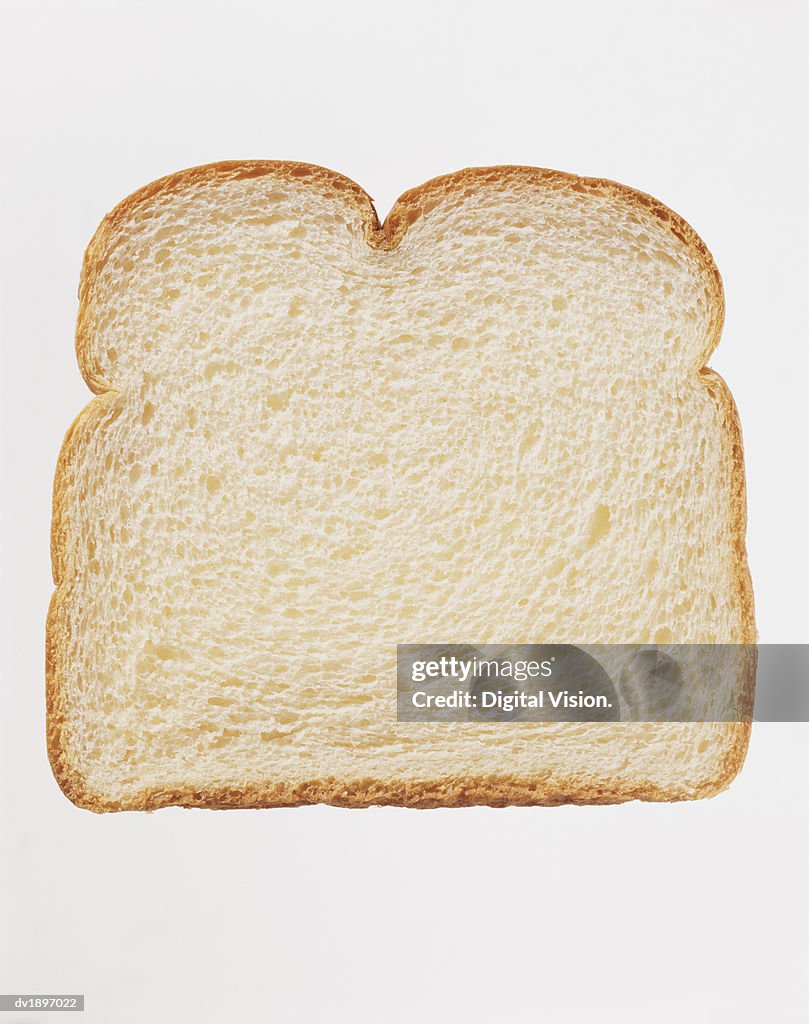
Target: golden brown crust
454,791
57,632
494,791
740,731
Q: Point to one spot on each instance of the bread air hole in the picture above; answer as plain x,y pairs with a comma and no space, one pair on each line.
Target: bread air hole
212,369
599,524
278,402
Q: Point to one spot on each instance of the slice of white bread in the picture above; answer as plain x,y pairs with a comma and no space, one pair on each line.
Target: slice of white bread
315,437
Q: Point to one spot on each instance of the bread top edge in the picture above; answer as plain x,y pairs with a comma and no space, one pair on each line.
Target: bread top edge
408,208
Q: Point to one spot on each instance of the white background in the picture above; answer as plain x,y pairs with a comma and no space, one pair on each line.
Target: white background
636,913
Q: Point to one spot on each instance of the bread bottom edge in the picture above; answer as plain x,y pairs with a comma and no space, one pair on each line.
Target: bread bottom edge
449,792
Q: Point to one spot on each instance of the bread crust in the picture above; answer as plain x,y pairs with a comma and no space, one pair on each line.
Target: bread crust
456,791
451,791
